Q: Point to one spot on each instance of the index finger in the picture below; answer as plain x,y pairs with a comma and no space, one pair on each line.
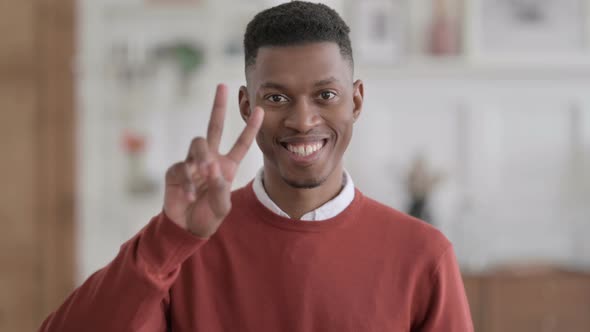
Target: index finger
238,151
215,128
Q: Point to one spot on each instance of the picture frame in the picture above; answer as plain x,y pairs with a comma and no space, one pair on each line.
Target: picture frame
527,31
379,29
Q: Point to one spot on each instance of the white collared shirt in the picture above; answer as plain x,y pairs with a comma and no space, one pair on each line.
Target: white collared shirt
329,210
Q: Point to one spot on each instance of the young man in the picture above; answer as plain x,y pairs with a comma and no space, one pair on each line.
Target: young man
299,248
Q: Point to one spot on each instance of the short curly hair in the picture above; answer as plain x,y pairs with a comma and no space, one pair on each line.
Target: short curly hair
296,23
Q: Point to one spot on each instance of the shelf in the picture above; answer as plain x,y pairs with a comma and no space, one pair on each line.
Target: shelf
464,69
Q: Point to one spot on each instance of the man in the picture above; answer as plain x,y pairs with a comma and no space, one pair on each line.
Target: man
299,248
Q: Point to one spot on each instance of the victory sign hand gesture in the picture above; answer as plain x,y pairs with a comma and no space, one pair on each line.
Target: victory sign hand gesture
197,195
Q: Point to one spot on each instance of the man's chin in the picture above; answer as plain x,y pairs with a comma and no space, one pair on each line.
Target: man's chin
304,183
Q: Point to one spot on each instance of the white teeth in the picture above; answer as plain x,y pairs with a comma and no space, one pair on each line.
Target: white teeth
304,150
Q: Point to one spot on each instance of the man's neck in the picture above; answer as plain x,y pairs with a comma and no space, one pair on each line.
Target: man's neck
296,202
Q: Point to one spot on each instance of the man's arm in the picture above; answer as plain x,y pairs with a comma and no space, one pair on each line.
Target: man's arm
447,309
131,293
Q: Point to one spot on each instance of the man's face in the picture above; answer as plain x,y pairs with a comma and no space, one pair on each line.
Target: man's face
310,105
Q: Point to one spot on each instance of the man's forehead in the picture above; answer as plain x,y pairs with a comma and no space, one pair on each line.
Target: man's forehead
315,63
317,83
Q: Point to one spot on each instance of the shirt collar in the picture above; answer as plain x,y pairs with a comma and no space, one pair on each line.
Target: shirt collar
329,210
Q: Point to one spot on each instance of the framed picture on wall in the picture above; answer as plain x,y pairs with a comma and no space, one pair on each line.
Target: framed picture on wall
528,30
379,30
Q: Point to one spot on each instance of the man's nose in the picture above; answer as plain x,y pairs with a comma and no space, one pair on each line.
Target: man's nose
303,116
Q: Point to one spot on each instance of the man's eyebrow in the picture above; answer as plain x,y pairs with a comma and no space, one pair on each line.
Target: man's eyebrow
272,85
326,81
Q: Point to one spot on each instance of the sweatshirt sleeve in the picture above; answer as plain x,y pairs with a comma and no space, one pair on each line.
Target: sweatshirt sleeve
131,292
448,309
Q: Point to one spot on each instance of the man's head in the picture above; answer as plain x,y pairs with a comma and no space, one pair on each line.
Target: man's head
299,70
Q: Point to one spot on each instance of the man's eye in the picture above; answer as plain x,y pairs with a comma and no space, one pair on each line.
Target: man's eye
327,95
276,98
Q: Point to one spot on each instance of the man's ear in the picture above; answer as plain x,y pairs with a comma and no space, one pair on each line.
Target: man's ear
357,98
244,103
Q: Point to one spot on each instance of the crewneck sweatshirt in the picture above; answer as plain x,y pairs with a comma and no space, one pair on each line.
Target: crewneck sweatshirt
370,268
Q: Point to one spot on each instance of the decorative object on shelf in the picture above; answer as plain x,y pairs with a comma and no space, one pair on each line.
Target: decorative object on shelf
420,183
379,29
134,63
187,57
127,63
544,28
138,181
444,30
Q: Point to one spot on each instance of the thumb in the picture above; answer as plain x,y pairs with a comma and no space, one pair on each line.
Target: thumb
219,191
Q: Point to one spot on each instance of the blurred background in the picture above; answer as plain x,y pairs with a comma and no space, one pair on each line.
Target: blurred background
476,120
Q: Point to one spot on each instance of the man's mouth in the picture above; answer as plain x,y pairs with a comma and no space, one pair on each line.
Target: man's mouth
304,149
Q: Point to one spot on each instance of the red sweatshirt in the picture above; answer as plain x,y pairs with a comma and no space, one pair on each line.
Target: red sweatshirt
371,268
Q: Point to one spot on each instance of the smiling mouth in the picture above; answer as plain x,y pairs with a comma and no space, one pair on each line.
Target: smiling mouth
305,149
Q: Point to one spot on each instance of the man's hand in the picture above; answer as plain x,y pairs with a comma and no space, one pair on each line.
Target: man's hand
197,195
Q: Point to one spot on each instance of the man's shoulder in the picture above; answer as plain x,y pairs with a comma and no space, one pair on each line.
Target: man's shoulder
401,227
